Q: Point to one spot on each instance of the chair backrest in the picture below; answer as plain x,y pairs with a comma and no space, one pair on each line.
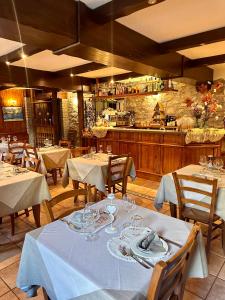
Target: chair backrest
78,151
169,276
117,169
16,148
57,199
30,151
65,143
8,158
31,163
181,188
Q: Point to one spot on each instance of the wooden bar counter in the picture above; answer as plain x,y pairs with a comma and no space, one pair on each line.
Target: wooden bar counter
155,152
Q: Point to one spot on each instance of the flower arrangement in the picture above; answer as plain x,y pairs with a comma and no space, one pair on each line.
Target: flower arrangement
206,106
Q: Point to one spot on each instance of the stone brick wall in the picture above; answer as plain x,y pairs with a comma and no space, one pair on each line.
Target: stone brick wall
173,103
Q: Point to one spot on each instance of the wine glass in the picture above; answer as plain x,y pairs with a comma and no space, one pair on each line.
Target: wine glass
15,138
109,149
203,161
90,215
129,203
112,209
218,164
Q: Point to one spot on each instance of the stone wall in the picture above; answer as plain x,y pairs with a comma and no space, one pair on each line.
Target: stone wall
173,104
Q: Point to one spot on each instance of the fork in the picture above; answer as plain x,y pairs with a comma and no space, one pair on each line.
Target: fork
124,252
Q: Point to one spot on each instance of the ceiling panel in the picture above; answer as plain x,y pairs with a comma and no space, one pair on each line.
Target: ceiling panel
7,46
204,51
174,19
47,61
219,71
95,3
105,72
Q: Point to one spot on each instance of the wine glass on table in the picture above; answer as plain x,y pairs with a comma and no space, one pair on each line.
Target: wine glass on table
109,149
90,216
112,209
218,164
203,161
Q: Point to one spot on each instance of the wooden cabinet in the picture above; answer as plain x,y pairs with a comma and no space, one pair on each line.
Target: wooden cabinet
155,153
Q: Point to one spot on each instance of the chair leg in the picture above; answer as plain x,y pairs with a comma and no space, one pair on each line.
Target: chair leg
1,220
208,240
95,194
223,237
75,187
12,217
54,176
60,172
27,212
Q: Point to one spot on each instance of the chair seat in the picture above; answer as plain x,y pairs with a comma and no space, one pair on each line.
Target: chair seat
198,215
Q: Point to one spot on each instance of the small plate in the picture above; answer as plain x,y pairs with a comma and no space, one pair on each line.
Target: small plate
134,232
148,254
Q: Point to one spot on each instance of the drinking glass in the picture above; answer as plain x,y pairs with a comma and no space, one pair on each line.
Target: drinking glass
112,209
129,203
90,215
100,149
109,149
203,161
218,164
14,138
136,223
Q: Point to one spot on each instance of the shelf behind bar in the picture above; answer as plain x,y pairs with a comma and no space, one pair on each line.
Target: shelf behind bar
132,95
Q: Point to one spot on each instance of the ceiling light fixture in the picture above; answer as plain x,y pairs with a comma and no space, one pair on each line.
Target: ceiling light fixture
71,74
7,62
151,2
23,55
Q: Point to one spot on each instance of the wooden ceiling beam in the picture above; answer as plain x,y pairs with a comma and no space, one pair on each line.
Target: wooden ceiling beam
195,40
206,61
81,69
116,9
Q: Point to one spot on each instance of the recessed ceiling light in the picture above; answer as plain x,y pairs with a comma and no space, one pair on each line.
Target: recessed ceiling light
7,62
71,74
151,2
23,55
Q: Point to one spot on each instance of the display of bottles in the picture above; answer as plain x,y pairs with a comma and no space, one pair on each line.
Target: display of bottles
149,85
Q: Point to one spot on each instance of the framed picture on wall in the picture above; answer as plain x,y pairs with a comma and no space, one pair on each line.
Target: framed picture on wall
12,113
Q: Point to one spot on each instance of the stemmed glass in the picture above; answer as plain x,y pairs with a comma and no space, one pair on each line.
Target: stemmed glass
112,209
90,215
129,203
109,149
15,138
203,161
218,164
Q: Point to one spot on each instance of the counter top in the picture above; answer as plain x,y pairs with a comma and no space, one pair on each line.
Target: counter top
146,130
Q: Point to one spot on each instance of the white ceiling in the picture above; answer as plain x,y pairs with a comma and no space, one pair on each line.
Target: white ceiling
47,61
104,72
173,19
95,3
7,46
205,50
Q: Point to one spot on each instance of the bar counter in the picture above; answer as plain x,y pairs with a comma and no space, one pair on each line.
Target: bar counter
155,152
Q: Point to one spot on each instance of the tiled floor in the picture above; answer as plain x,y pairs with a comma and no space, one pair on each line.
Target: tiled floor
210,288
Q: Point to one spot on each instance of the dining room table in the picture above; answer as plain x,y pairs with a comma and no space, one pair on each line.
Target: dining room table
68,266
91,169
52,157
21,189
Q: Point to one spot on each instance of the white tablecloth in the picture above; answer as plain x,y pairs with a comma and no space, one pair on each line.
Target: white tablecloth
69,267
20,191
53,158
4,148
167,191
92,171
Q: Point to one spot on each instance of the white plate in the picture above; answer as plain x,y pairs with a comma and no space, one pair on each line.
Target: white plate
134,232
150,254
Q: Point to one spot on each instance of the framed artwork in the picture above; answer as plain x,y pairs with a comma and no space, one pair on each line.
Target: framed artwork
12,113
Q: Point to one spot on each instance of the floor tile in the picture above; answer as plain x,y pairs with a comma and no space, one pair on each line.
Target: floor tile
200,287
9,296
3,288
215,264
9,274
190,296
222,273
9,261
218,290
22,296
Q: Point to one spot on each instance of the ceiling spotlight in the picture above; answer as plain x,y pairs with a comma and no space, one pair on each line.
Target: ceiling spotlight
151,2
23,55
71,74
7,62
112,81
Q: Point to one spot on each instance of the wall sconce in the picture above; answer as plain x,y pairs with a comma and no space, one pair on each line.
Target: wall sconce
12,102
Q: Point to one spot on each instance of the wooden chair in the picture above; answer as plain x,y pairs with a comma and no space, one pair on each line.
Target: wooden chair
78,151
117,174
206,216
65,143
48,205
169,277
17,148
31,163
30,151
